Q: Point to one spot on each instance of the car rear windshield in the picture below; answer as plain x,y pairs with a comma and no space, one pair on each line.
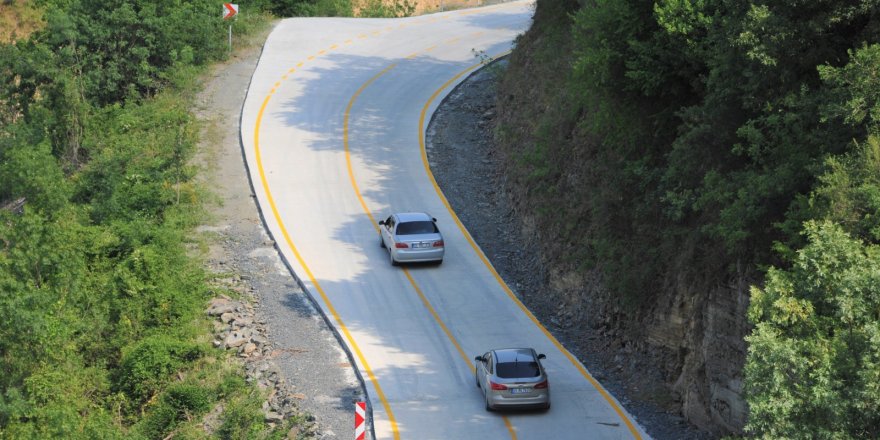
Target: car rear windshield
411,228
508,370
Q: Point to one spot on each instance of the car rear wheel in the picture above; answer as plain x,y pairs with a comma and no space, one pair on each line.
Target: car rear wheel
488,407
381,241
391,257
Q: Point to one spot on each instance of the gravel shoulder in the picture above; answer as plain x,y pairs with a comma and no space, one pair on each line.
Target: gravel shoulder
305,350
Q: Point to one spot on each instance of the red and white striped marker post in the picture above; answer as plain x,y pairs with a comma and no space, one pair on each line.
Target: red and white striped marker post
360,411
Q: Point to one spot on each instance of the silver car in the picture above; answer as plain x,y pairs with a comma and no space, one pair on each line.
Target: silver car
513,378
411,237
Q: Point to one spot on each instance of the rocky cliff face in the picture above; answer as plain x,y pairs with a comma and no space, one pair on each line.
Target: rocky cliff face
696,338
684,352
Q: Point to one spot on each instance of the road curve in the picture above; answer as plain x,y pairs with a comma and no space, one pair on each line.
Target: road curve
332,132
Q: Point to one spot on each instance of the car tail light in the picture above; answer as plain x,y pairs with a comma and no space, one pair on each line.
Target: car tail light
541,385
401,245
497,386
438,243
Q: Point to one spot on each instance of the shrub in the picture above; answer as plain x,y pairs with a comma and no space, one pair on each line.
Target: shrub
149,365
180,402
242,419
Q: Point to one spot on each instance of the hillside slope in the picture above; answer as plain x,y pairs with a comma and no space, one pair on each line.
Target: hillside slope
688,333
664,155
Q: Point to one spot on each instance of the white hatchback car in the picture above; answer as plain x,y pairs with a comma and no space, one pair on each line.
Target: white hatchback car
411,237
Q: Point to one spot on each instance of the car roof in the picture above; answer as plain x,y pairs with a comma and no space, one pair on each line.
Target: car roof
413,217
514,355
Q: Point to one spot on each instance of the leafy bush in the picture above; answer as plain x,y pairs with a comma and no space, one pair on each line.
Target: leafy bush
34,173
242,419
121,47
386,9
312,8
181,402
813,368
149,364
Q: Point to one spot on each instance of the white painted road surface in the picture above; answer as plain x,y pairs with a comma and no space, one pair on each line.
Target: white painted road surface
332,131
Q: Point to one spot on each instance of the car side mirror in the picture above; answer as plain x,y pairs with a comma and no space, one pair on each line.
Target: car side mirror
541,356
435,220
382,222
479,359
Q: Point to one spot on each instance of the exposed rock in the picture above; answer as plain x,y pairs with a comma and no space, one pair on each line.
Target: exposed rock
235,329
220,306
274,417
236,339
249,348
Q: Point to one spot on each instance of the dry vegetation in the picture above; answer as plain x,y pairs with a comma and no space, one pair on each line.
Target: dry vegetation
18,19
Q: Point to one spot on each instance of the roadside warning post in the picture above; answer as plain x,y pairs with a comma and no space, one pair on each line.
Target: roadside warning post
360,410
230,10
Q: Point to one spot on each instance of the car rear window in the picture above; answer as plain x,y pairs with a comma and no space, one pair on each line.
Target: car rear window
421,227
508,370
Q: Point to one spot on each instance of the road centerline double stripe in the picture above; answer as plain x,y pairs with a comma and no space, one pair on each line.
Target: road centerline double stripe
366,209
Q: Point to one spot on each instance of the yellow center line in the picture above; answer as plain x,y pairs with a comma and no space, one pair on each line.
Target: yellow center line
436,316
345,131
510,294
412,281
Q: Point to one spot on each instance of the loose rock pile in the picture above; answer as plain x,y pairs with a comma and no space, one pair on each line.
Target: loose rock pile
237,329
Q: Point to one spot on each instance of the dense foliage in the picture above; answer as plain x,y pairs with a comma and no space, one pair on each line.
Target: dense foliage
102,328
690,141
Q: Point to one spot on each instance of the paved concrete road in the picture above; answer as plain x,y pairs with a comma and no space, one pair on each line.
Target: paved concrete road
332,132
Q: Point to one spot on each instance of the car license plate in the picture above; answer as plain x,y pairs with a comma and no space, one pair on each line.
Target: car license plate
520,390
422,245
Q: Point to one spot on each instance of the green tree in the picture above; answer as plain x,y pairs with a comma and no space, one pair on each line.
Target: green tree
813,368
